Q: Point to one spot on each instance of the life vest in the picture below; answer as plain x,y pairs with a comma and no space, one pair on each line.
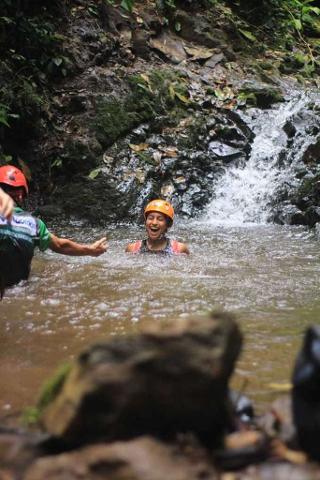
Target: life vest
17,243
172,248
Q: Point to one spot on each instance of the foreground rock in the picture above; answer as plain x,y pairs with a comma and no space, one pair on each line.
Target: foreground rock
160,382
172,383
140,459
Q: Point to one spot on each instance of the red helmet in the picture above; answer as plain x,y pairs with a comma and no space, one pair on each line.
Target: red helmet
12,176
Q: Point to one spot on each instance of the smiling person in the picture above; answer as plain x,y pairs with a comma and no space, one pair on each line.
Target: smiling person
158,216
20,232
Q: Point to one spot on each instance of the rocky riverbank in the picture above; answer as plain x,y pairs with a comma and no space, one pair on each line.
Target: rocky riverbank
157,405
151,103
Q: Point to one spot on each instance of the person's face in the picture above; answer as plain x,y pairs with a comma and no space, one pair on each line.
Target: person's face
156,225
16,193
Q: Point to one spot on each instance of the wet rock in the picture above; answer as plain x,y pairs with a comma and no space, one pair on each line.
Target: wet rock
93,199
141,459
306,393
277,421
79,153
261,95
152,156
289,129
199,29
48,212
170,46
312,153
226,152
129,386
272,470
140,40
17,450
290,215
241,449
312,215
199,53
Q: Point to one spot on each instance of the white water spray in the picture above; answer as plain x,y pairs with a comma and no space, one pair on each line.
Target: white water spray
243,192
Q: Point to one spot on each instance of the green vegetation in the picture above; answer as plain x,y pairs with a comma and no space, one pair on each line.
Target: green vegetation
49,391
287,24
32,56
270,35
150,95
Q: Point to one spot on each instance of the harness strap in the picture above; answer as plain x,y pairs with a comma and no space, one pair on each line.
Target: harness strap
175,246
136,246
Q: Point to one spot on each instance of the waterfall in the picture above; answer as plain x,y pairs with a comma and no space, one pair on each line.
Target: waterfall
243,193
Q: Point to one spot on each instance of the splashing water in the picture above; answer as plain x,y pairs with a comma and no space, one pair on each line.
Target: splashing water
244,192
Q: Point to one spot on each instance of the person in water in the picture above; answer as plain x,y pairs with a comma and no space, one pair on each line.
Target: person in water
158,216
20,232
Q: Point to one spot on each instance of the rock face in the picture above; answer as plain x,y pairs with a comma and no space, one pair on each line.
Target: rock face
140,459
178,161
159,382
298,200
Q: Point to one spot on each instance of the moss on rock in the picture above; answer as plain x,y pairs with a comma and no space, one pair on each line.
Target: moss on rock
150,95
262,96
48,393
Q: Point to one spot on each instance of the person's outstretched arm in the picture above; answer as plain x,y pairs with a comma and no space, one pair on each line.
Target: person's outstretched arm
69,247
6,205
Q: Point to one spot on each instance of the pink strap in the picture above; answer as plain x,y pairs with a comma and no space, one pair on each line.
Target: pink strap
136,246
175,245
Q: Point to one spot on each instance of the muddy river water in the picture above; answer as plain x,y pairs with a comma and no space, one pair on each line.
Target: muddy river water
268,275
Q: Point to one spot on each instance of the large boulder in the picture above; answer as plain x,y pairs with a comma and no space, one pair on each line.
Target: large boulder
140,459
167,379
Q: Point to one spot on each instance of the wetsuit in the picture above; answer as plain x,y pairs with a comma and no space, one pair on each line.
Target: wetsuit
172,248
18,239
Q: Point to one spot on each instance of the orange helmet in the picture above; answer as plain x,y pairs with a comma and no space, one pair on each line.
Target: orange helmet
161,206
12,176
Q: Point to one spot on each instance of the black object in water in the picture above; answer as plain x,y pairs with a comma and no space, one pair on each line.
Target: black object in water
306,393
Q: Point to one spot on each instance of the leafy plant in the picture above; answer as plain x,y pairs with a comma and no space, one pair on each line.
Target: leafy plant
4,115
301,13
127,5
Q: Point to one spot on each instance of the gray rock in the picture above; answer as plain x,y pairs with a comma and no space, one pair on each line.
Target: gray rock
222,150
141,459
169,45
159,382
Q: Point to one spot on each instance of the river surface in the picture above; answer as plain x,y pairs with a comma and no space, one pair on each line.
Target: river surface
268,275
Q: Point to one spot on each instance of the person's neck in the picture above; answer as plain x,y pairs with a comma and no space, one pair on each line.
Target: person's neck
158,244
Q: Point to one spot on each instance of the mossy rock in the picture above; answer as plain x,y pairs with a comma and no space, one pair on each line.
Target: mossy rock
310,187
260,95
78,155
150,95
48,393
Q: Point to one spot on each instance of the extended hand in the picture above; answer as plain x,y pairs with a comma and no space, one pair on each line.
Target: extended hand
6,205
99,247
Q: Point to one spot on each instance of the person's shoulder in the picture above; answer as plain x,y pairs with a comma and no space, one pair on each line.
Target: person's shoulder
179,247
134,247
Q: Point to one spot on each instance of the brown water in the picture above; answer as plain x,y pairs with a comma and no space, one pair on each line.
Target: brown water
268,275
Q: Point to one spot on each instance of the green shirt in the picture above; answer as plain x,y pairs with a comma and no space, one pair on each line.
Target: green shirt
18,239
26,228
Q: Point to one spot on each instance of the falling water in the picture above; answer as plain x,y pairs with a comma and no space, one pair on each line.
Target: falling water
243,194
